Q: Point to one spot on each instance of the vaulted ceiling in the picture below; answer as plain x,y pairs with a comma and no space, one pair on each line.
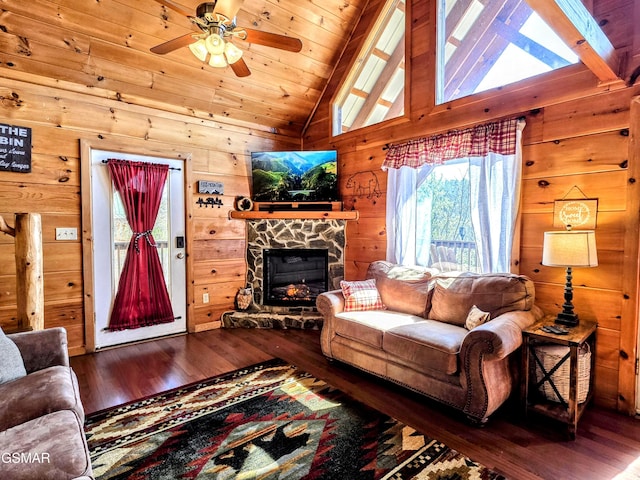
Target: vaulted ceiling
103,46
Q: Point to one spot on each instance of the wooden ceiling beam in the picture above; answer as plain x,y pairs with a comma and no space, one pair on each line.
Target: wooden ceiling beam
533,48
465,58
573,23
397,108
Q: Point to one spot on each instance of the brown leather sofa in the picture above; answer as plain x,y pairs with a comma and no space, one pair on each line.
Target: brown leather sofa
41,416
420,340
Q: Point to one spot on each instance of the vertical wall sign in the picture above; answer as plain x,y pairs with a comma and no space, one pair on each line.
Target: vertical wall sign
15,148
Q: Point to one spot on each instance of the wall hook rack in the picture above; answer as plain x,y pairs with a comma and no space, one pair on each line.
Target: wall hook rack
211,201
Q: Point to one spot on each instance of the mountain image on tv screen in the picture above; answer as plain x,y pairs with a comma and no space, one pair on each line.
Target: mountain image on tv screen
305,176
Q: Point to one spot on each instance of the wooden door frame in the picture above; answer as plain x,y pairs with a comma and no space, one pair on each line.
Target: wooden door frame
133,147
628,353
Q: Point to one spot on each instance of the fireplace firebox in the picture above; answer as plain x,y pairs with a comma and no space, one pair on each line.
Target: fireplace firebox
294,277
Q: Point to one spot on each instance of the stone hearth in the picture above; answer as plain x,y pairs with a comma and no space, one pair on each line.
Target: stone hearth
291,234
302,320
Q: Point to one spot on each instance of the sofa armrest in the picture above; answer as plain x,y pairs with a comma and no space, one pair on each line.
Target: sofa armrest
42,348
329,304
501,336
485,370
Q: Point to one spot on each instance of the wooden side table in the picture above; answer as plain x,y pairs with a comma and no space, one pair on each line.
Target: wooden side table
567,411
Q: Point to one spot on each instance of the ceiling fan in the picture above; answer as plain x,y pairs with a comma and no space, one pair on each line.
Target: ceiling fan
216,21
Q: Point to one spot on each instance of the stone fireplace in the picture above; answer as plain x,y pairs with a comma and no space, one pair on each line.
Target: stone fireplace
290,237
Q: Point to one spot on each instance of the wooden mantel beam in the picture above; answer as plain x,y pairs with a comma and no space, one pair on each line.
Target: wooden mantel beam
576,26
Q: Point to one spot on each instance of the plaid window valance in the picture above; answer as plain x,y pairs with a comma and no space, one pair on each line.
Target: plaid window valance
498,137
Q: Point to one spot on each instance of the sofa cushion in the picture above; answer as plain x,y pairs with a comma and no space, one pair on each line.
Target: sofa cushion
368,327
361,295
403,289
406,297
496,293
426,344
11,363
37,394
414,273
50,447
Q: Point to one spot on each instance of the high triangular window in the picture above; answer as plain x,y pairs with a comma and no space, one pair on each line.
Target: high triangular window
374,89
489,44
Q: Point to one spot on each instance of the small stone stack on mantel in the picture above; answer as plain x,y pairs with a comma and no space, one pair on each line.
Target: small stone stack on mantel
290,233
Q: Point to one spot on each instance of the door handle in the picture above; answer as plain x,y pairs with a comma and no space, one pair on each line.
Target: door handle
180,255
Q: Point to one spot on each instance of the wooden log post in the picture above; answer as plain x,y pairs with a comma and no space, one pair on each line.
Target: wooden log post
29,270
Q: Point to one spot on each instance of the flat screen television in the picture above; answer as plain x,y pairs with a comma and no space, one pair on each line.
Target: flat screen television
304,176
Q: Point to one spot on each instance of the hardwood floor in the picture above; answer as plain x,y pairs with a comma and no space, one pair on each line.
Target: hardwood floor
606,443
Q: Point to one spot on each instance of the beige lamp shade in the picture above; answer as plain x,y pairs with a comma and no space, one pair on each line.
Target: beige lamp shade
571,248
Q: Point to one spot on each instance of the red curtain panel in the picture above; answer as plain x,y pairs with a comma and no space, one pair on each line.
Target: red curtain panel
142,298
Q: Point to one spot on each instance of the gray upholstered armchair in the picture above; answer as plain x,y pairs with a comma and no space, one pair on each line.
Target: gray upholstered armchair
41,416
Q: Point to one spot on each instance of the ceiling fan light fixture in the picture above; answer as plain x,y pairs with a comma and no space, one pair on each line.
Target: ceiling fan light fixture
232,53
216,21
218,60
215,44
199,49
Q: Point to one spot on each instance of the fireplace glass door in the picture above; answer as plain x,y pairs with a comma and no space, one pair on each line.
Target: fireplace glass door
294,277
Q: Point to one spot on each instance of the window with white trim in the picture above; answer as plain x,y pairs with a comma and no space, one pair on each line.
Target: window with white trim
374,88
487,44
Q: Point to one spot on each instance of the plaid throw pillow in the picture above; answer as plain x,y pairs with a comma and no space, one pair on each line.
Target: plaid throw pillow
361,295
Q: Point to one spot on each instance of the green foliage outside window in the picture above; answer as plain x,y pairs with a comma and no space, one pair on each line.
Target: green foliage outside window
445,210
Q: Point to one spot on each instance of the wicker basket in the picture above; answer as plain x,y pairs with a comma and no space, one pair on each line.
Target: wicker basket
550,355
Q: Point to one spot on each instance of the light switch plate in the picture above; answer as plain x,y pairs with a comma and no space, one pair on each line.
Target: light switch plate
66,233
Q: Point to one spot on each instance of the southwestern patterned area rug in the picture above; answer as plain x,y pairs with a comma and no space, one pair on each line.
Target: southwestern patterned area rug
268,421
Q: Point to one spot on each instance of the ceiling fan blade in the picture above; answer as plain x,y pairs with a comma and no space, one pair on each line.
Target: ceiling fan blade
240,68
175,7
274,40
171,45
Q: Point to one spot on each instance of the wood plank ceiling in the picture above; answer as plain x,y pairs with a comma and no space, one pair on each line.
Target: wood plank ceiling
102,47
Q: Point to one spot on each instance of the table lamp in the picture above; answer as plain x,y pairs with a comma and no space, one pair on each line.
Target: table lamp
570,248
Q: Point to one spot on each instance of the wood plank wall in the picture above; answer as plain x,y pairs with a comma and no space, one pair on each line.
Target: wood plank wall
59,119
577,135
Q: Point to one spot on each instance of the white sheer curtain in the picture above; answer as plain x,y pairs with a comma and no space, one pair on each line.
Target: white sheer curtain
402,211
495,203
495,190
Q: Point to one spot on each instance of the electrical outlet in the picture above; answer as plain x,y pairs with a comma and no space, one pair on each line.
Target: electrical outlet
66,233
205,298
